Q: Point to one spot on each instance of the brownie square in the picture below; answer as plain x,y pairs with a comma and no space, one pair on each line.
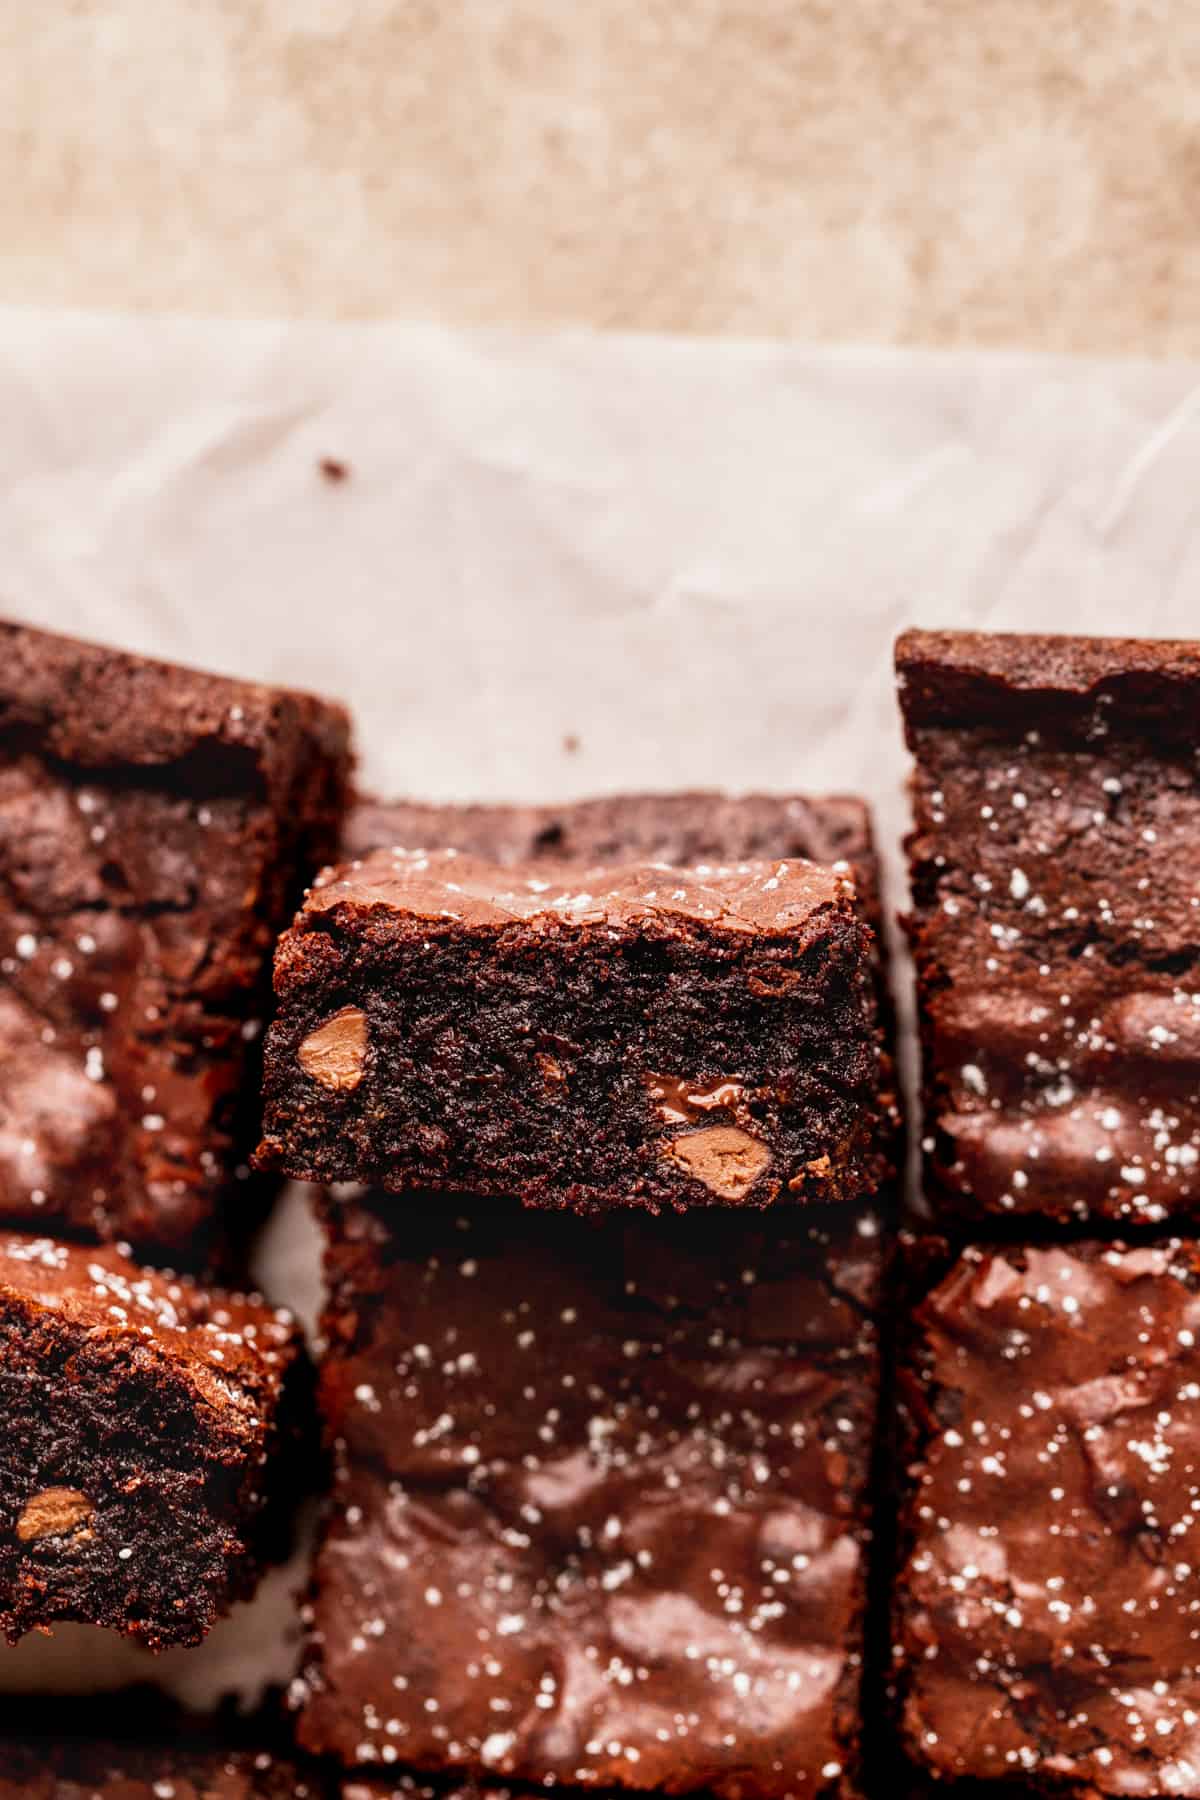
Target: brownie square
602,1511
649,1035
150,1444
156,827
80,1770
1046,1608
1055,924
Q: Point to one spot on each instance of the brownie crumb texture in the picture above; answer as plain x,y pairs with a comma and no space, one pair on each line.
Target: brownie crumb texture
645,1036
148,1455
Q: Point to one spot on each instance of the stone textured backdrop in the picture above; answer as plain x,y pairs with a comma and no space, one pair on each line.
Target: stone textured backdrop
946,171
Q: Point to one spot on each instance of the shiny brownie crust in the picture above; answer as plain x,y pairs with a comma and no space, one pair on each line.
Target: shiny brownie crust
602,1513
1045,1606
683,829
1055,922
156,826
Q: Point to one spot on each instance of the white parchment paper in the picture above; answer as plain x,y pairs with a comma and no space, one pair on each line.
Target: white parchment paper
563,565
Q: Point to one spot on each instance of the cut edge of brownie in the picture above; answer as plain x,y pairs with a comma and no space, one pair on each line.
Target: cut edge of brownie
157,1439
387,955
683,828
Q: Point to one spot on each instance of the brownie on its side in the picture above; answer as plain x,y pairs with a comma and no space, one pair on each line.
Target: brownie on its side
1046,1606
649,1036
1056,921
149,1428
156,827
603,1506
54,1769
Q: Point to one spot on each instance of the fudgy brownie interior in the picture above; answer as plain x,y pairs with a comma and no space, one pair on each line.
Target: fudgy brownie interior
647,1036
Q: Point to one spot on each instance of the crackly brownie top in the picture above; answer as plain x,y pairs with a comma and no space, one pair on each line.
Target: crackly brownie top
154,822
772,897
89,705
1047,1608
1056,882
635,1446
235,1338
532,1295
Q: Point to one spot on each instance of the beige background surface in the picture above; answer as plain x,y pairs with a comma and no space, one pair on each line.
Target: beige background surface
987,171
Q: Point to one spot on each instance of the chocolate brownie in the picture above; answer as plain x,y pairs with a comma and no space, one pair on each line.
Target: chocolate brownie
649,1035
602,1509
58,1769
156,826
1046,1606
683,829
1056,921
151,1430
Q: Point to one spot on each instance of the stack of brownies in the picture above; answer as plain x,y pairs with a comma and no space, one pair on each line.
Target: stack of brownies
602,1368
600,1101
